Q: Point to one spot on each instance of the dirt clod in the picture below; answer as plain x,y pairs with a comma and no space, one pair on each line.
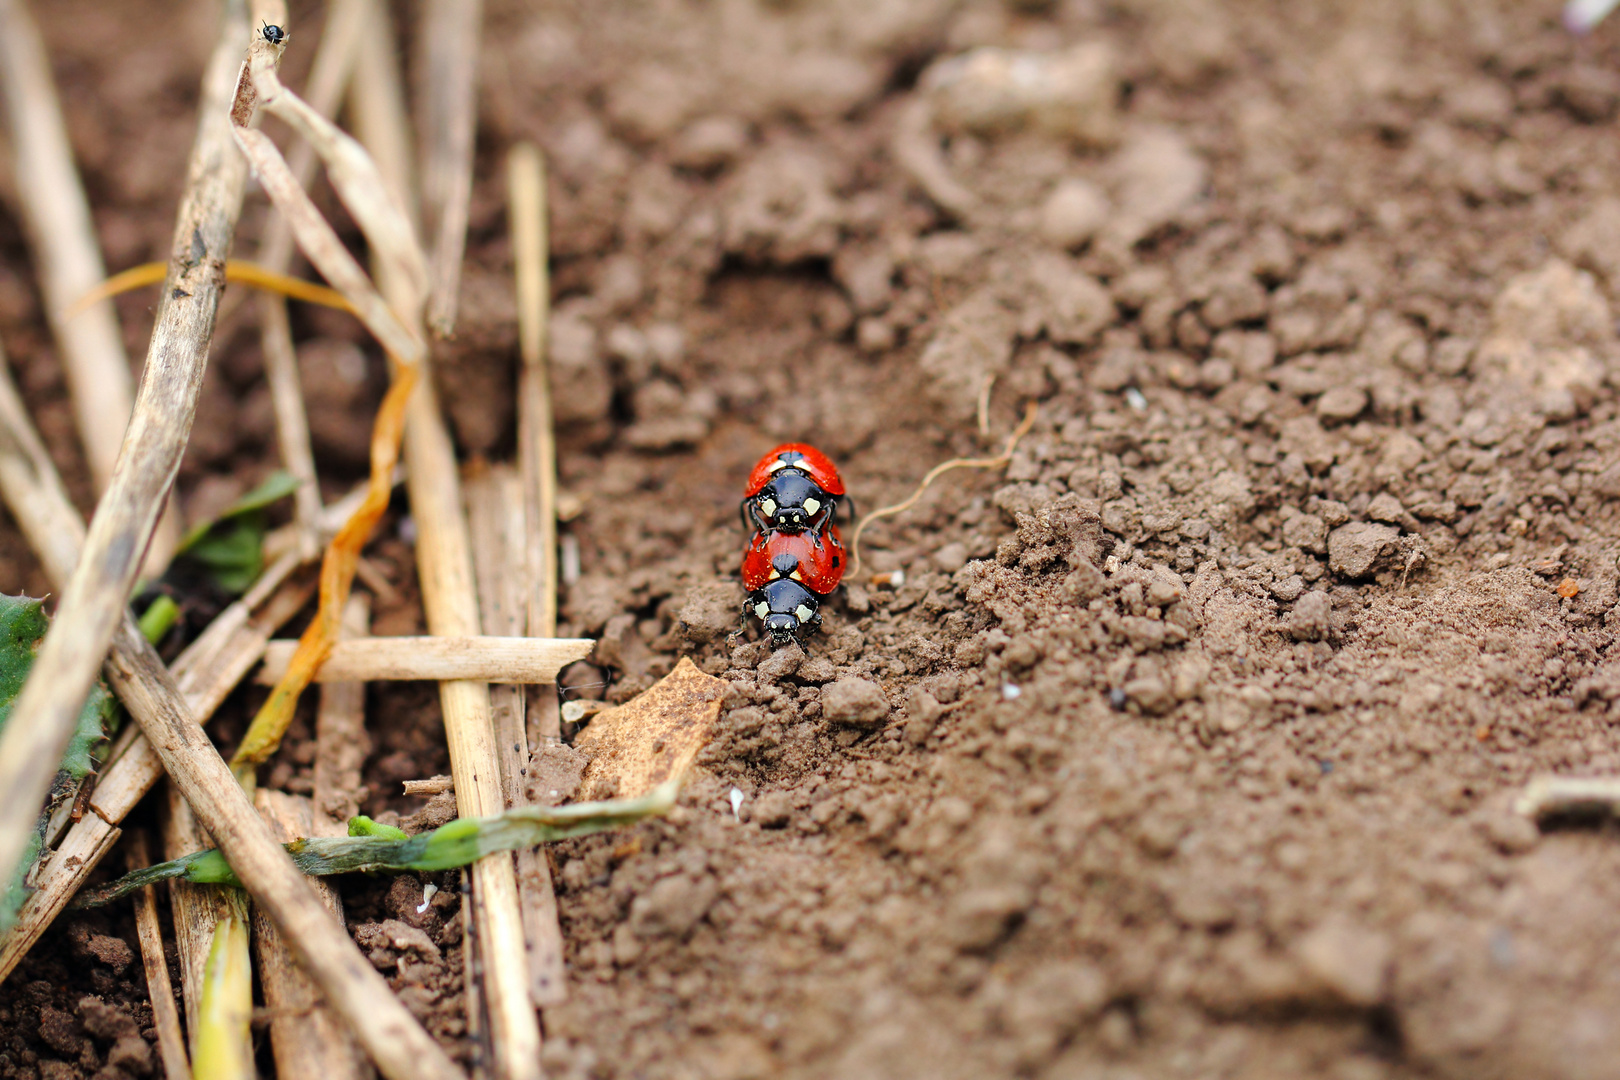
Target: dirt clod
854,701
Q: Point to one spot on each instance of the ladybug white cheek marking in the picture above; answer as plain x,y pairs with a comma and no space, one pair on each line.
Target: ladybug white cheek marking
795,576
802,613
812,505
761,610
777,464
769,506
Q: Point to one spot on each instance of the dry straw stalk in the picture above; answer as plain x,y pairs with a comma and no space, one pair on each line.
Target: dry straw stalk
56,214
93,602
444,561
519,660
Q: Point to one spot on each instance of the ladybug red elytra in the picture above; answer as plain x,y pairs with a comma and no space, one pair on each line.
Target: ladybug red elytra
797,455
794,488
815,562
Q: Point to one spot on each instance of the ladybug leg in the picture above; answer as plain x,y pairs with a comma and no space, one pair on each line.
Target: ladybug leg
742,627
852,512
746,510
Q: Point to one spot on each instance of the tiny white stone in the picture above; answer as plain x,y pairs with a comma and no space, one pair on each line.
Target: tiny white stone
737,798
898,578
1011,691
428,891
407,529
569,567
1581,16
1134,398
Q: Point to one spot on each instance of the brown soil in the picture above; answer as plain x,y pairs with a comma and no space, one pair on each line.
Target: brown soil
1187,746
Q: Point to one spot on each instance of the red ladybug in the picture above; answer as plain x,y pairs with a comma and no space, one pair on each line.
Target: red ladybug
815,562
794,488
797,455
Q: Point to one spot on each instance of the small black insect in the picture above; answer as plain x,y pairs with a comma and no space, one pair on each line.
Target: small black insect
275,35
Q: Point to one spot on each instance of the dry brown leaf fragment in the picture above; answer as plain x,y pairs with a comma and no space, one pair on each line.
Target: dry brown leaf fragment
652,738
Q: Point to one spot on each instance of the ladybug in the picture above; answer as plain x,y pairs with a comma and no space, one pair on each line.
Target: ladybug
787,609
796,556
275,35
794,488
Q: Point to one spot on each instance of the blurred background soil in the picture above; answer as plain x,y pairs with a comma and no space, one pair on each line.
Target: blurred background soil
1184,748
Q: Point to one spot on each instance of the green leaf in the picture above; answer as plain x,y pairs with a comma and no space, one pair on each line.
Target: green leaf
231,547
22,625
376,850
277,487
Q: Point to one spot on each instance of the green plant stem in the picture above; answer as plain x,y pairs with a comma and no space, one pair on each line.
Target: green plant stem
458,843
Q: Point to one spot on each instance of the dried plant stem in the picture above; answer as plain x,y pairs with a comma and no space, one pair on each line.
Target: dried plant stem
206,671
306,1037
499,526
448,102
516,660
93,602
444,562
341,740
537,444
355,178
935,473
377,108
329,75
197,913
328,79
33,488
292,424
537,453
159,991
433,785
395,1041
62,237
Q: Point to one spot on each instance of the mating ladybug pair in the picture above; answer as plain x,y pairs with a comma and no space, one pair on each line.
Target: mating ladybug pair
796,556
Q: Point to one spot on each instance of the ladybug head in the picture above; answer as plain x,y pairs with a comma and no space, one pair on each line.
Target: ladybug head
786,609
791,501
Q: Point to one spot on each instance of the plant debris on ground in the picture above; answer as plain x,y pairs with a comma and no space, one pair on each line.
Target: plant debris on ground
1186,746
